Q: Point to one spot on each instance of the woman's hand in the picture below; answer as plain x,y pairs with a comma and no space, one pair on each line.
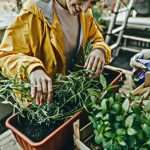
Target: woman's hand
95,62
41,86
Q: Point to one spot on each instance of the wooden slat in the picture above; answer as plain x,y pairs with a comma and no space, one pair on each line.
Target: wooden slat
86,131
76,129
147,80
80,145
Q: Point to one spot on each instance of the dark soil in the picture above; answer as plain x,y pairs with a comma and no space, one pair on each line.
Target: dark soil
34,132
110,76
38,132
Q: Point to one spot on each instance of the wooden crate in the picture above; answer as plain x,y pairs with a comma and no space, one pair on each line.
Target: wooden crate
82,136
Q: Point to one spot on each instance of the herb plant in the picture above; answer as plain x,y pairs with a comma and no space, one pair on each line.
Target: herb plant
70,96
121,122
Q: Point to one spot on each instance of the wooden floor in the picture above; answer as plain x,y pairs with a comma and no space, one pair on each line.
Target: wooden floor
8,141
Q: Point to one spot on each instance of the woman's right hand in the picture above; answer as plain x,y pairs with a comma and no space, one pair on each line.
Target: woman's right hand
41,86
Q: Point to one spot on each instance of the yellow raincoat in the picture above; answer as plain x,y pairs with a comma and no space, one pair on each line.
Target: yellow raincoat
32,41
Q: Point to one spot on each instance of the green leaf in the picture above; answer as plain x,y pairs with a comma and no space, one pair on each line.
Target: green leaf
98,127
136,108
115,108
93,92
125,105
142,148
146,129
97,107
107,123
107,128
93,99
110,87
104,105
116,146
106,117
131,131
108,134
111,100
137,98
119,118
147,107
96,132
129,121
103,81
133,142
99,115
91,119
148,142
122,143
44,112
140,134
117,96
99,138
107,145
121,131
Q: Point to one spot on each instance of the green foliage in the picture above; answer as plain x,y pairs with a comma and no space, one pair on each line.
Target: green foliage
86,51
121,123
71,94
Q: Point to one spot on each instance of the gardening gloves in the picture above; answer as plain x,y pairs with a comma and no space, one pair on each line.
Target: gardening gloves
135,60
95,62
41,86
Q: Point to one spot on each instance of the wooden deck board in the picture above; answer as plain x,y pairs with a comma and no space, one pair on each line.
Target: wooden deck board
8,141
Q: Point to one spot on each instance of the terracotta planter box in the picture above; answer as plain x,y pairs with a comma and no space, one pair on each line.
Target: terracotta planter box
62,137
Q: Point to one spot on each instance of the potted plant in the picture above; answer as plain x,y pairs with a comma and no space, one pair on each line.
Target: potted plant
118,122
71,95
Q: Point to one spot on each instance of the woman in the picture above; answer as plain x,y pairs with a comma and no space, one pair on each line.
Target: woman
47,38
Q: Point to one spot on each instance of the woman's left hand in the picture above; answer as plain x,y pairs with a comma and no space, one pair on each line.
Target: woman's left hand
95,62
